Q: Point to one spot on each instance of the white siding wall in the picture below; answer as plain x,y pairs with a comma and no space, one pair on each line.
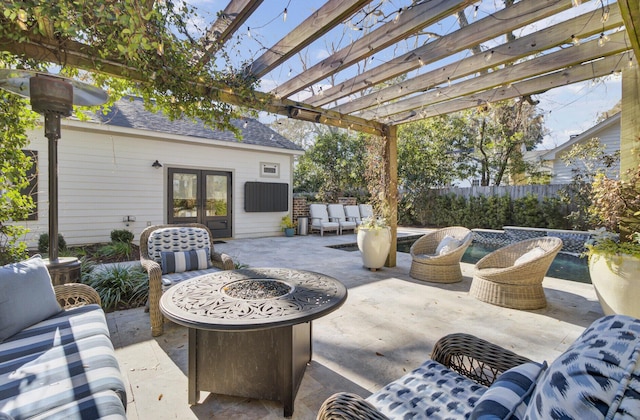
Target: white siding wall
609,136
105,175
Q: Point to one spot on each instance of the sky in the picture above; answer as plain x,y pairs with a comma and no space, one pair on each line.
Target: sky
567,110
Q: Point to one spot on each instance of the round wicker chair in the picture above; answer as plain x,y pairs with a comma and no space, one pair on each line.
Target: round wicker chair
445,268
498,281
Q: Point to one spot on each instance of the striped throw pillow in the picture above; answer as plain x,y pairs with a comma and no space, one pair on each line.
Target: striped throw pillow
508,397
177,262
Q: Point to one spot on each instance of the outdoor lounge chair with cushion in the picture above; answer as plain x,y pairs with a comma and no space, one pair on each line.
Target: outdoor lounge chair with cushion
353,214
597,377
366,210
512,276
173,253
336,214
436,256
320,219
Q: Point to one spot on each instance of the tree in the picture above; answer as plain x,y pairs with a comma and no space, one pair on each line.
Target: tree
334,165
503,132
15,119
433,153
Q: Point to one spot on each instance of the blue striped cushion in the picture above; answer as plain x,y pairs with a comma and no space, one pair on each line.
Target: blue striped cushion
33,384
178,262
63,328
104,405
508,397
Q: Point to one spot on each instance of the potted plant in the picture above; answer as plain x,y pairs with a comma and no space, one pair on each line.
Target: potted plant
288,225
614,254
374,242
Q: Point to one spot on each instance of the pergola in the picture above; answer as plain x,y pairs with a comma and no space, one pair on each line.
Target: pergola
584,47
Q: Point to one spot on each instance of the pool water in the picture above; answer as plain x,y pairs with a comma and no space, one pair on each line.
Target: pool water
564,266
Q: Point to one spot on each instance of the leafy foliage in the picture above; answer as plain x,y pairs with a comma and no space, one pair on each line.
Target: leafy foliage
333,166
503,130
15,120
121,235
488,212
160,59
116,249
119,286
43,243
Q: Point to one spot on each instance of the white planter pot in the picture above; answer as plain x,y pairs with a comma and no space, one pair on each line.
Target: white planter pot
616,280
374,245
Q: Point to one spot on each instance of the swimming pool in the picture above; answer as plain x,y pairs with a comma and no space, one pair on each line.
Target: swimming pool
564,266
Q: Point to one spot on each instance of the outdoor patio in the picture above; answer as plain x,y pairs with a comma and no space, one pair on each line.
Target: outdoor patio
387,326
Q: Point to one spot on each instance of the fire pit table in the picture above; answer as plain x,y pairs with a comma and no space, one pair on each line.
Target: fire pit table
250,329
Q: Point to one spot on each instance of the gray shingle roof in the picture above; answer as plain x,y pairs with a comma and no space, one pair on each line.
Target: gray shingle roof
131,114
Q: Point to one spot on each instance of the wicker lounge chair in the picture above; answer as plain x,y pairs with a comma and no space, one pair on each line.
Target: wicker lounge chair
320,219
467,377
471,361
444,267
157,239
498,281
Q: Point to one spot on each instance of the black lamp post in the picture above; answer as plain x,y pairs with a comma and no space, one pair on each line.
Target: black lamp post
53,97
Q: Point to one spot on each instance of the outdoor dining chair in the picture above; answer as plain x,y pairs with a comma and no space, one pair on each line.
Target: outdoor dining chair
436,256
512,276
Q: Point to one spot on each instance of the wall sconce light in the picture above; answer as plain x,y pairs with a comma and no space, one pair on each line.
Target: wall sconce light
157,164
304,114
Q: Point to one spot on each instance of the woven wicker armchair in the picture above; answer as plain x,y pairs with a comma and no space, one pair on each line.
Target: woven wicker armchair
498,281
73,295
467,355
152,266
427,266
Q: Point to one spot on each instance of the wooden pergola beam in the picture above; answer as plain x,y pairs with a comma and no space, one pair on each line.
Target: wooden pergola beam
490,27
82,56
580,73
563,58
630,10
332,13
580,27
409,22
229,21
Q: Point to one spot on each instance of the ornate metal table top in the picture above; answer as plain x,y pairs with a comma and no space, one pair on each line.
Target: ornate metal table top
252,298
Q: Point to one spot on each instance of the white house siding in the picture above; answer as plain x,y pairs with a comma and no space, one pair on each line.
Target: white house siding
609,134
105,174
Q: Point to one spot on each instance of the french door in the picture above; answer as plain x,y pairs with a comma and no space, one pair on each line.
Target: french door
199,196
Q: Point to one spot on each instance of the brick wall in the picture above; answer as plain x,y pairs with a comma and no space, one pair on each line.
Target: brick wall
301,208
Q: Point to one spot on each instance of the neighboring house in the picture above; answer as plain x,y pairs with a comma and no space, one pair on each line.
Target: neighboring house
608,131
133,168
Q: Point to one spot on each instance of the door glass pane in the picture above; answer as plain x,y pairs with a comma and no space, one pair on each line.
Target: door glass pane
185,193
216,195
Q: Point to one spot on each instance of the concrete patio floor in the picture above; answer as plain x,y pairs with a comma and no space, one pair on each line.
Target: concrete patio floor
387,326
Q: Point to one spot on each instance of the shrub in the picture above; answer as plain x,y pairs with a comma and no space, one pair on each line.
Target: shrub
121,235
119,250
119,286
43,243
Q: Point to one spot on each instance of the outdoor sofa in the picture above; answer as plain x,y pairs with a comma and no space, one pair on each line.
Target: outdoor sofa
56,357
597,377
174,253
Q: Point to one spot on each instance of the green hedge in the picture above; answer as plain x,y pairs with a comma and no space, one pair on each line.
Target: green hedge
487,212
